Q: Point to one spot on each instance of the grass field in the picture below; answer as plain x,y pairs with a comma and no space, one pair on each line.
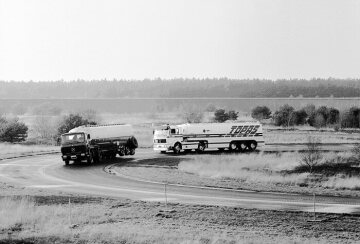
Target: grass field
8,150
46,219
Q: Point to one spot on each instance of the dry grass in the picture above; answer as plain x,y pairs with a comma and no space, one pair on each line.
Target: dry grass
252,168
7,149
138,222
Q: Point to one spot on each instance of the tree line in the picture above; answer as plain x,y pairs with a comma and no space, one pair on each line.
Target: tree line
187,88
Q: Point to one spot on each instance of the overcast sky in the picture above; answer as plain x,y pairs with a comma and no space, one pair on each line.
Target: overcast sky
136,39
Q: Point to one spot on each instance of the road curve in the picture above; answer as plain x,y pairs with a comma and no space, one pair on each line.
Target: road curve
49,172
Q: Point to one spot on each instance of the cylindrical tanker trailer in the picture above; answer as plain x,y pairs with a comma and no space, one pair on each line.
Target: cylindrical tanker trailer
95,142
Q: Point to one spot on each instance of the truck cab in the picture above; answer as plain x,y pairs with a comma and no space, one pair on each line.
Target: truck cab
74,147
165,138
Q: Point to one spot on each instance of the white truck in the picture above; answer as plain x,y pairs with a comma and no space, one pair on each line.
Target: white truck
94,142
235,136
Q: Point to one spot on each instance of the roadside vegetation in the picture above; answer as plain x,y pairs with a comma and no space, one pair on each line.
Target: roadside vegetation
48,219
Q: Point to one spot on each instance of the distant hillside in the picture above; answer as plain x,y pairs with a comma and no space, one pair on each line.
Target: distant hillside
182,88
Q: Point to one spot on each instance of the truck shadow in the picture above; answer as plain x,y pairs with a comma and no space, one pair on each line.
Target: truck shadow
104,162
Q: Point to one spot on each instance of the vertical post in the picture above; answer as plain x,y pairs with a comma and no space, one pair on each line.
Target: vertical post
165,197
314,208
69,212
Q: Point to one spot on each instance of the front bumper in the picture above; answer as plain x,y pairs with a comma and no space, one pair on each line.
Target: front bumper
162,147
81,156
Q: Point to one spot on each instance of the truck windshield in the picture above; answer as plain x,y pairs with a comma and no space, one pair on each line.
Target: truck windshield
72,138
161,133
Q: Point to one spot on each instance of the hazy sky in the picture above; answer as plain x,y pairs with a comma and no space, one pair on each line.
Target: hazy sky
136,39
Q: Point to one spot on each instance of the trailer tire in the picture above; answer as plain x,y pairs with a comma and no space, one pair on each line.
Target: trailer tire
121,151
132,142
252,145
233,146
127,150
242,146
177,148
132,151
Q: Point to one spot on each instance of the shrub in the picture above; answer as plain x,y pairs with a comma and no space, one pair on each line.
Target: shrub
71,121
312,155
261,112
12,130
300,117
351,118
221,115
285,116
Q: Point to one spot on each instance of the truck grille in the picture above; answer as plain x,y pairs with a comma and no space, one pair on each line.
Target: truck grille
73,149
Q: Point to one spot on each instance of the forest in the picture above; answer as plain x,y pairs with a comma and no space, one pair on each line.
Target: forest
181,88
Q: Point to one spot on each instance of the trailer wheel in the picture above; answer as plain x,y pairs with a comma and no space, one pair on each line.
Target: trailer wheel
201,147
132,142
242,147
121,151
132,151
67,162
127,150
252,145
233,146
177,148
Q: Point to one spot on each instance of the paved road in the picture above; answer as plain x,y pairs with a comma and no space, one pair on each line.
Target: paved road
49,172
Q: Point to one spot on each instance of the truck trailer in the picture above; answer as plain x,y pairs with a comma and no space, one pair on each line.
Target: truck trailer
234,136
92,143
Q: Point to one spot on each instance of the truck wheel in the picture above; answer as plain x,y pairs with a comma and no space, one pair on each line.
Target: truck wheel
242,147
132,151
90,159
127,151
132,142
252,145
67,162
233,146
121,152
201,147
177,148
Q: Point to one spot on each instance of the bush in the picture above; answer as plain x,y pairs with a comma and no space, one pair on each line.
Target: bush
71,121
221,115
300,117
285,116
351,118
312,156
12,130
261,112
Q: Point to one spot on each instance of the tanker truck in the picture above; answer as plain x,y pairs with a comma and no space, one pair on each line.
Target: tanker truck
92,143
234,136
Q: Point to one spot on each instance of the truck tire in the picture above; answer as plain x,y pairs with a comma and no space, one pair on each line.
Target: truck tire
121,151
252,145
177,148
127,150
132,142
90,159
201,147
132,151
242,147
233,146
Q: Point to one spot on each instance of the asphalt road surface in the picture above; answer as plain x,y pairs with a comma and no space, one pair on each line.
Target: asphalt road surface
49,172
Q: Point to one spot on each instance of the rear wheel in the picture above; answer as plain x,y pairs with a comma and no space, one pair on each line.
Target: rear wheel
132,151
177,148
252,145
121,151
242,147
233,146
127,150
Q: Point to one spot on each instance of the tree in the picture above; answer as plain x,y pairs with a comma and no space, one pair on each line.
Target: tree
12,130
44,127
221,115
334,116
312,155
71,121
261,112
284,116
310,111
351,118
